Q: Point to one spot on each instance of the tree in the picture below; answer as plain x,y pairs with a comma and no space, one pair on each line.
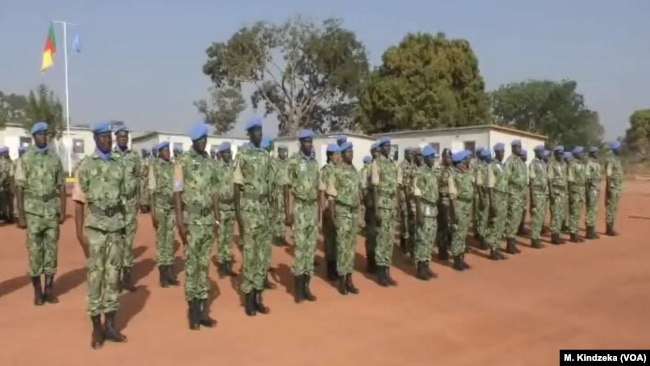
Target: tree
550,108
43,105
304,73
222,109
12,108
637,136
424,82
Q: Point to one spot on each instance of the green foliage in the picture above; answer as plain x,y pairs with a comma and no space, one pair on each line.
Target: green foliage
637,137
550,108
12,108
44,105
304,73
222,108
424,82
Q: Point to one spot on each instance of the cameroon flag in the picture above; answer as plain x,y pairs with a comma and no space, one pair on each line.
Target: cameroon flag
49,50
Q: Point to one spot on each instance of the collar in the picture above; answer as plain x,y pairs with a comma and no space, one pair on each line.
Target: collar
42,150
101,155
120,150
305,157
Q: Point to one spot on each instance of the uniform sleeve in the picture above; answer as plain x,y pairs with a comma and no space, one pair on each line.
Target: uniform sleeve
321,184
570,176
331,186
19,175
478,177
151,179
417,192
78,194
237,176
451,184
491,179
178,178
374,174
400,175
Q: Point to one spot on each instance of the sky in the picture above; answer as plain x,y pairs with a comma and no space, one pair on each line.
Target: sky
141,60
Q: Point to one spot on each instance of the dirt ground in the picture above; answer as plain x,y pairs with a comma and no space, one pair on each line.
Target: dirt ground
515,312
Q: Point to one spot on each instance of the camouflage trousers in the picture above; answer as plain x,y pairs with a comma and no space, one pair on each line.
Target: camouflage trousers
197,260
463,211
330,234
407,219
577,202
165,235
558,210
385,237
370,232
256,248
496,226
224,239
305,235
611,205
482,216
103,270
131,224
279,227
425,234
346,238
516,203
42,245
538,210
145,199
6,203
591,201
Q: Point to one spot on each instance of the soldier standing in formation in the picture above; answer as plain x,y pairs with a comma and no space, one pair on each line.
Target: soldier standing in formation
279,170
99,193
461,193
613,186
147,158
557,182
6,185
41,203
426,195
539,191
443,172
594,174
160,189
521,230
567,157
497,193
369,214
516,174
576,184
267,145
329,229
481,197
405,170
225,189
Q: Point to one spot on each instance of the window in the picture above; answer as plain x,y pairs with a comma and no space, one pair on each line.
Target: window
78,146
25,142
177,146
470,146
394,152
436,147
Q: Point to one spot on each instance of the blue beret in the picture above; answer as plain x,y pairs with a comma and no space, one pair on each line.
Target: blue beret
566,155
341,138
559,148
333,148
578,149
539,148
305,134
478,150
254,123
524,152
485,153
547,153
367,159
428,151
383,140
283,147
515,142
593,149
38,127
346,146
459,156
21,148
3,149
499,147
101,127
224,146
615,145
266,142
120,129
198,131
162,145
374,146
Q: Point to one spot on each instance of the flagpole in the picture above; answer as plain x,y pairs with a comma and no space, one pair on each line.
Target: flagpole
65,24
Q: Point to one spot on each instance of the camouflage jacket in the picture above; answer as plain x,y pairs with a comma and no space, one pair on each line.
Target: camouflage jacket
132,172
195,175
406,170
497,177
537,171
344,185
384,178
254,175
225,186
516,172
304,177
557,179
41,176
577,176
425,186
160,182
614,171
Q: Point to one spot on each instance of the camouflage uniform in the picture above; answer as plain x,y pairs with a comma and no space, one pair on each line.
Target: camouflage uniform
145,199
557,182
594,174
577,182
461,194
279,170
517,174
369,219
226,193
614,184
538,198
329,229
6,189
481,200
443,239
497,185
475,212
407,234
567,203
426,194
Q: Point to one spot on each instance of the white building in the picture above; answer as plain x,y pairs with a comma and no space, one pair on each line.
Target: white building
361,145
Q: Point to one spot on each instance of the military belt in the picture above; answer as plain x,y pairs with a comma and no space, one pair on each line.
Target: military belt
105,211
255,196
305,199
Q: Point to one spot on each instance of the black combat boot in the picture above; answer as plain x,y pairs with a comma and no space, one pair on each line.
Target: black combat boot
306,279
390,279
204,314
443,253
127,279
193,315
259,303
48,293
162,274
228,270
382,276
511,246
496,255
462,260
610,230
38,291
421,271
371,264
249,304
298,289
342,286
555,239
267,283
110,329
482,243
171,276
97,336
536,243
458,263
221,270
350,285
591,233
331,271
575,238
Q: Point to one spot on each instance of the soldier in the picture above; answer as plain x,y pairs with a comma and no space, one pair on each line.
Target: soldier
405,170
481,197
329,229
613,186
472,165
252,177
196,206
133,168
547,155
99,220
344,197
567,157
521,231
280,170
497,189
363,174
538,183
594,175
557,183
14,203
225,169
385,181
369,214
6,189
162,216
577,182
516,173
41,203
147,159
426,194
443,172
460,195
302,185
267,145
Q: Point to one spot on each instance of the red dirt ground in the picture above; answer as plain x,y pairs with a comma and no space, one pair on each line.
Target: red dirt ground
516,312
